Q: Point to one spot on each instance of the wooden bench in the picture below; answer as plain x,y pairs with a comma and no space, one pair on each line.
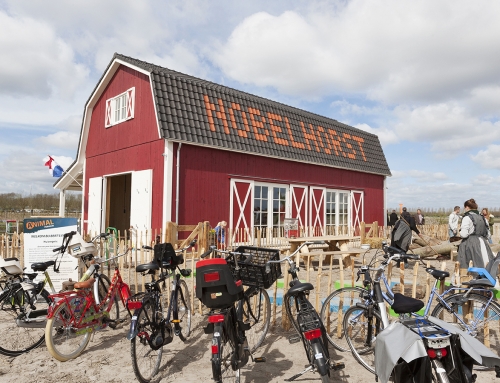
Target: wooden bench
345,255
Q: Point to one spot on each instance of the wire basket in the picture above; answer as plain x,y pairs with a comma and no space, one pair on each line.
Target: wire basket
254,273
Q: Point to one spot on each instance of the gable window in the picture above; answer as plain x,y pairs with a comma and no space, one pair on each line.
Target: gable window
120,108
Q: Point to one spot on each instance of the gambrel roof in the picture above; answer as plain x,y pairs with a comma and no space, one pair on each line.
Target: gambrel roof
200,112
204,113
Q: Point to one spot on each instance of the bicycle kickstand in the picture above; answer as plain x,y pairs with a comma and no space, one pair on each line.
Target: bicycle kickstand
299,374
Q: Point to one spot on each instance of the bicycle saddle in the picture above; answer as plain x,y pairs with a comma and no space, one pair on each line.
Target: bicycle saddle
85,285
406,305
42,266
151,266
300,287
438,274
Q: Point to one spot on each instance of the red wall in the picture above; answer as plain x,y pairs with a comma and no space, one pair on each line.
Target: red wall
131,145
205,181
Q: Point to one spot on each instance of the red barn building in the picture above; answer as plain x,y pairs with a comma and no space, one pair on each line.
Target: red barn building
157,145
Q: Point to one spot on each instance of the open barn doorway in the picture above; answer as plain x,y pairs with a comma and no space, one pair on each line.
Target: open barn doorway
118,196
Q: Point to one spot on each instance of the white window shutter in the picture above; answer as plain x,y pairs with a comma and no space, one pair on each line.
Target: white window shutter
108,120
130,103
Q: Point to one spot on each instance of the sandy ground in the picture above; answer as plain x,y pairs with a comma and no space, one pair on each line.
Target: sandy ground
107,359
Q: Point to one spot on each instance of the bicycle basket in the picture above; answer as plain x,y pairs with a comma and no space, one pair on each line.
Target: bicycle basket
215,284
254,272
166,257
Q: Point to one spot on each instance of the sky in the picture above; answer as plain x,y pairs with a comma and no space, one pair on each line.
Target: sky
422,75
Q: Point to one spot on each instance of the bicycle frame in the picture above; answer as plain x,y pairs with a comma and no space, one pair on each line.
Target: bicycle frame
379,296
83,311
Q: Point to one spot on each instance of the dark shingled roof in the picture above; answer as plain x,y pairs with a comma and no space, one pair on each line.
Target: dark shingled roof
204,113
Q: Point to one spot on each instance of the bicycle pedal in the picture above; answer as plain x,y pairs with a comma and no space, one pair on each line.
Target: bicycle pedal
175,321
259,360
337,366
294,339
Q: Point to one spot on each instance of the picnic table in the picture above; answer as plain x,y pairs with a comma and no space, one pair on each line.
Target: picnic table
334,242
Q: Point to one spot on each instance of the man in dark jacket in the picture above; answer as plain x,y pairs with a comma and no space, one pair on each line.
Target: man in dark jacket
393,218
401,233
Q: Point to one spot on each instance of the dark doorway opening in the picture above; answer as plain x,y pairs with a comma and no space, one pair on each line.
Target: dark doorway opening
118,193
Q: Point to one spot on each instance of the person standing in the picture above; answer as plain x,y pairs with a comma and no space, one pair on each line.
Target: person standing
393,218
420,217
474,232
490,220
453,222
220,234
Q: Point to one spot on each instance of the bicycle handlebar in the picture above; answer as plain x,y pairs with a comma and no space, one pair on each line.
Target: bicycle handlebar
288,257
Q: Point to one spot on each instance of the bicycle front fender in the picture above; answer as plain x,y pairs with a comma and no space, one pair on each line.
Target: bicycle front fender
134,329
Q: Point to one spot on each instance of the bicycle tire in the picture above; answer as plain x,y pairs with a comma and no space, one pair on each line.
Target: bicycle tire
355,329
59,337
222,368
478,331
183,311
104,283
332,314
145,361
258,316
289,302
19,340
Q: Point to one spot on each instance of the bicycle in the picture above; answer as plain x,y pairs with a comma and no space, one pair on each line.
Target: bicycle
150,327
74,316
238,318
363,321
307,323
24,303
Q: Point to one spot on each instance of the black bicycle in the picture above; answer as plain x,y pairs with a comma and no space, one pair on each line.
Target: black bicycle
307,323
151,327
238,318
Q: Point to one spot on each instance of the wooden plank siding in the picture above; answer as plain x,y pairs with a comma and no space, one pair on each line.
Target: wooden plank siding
132,145
205,175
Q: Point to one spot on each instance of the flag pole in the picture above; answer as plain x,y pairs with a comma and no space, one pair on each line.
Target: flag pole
65,172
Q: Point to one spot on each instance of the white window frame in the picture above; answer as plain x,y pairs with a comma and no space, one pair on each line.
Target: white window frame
271,187
336,222
120,108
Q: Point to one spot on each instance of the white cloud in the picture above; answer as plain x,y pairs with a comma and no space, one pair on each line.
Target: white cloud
385,135
35,61
488,158
25,172
393,50
449,127
61,139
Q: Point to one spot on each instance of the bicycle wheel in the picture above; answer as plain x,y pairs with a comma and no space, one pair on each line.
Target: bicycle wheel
332,314
222,368
257,313
356,324
289,303
482,321
63,340
104,284
145,360
16,340
183,310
